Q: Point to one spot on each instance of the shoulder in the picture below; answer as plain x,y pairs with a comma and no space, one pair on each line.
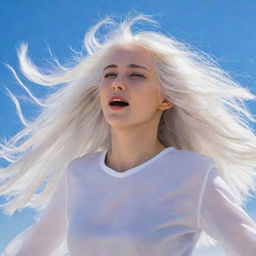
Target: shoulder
81,163
191,166
194,158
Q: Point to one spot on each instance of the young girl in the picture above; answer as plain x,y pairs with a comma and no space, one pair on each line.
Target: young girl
144,149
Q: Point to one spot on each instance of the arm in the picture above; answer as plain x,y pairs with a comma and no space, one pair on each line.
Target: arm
47,236
224,220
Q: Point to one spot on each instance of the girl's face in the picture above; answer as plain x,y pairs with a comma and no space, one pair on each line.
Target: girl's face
129,72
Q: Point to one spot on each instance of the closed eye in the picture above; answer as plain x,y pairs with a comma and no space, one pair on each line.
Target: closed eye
132,74
135,74
109,74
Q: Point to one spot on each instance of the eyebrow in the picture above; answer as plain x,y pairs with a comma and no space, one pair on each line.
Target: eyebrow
130,65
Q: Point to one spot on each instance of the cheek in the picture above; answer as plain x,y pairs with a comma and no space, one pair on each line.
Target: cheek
147,101
104,85
101,96
151,95
102,90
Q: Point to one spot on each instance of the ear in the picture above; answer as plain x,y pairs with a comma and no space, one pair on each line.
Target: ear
165,104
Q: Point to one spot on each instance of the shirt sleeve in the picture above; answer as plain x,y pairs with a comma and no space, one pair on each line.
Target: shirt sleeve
224,220
47,236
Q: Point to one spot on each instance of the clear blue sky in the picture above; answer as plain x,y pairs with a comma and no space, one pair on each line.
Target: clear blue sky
224,29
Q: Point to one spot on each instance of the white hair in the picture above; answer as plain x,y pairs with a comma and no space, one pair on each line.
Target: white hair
208,116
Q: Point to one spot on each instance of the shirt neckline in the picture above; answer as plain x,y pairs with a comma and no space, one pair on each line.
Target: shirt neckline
133,170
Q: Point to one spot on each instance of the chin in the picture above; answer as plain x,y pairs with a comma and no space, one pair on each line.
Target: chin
118,125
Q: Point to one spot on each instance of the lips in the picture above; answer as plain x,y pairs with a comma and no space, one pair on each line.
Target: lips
117,97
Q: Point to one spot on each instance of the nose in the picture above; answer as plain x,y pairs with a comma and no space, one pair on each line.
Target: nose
118,84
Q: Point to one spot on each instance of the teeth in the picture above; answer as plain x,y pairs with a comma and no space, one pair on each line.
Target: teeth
117,100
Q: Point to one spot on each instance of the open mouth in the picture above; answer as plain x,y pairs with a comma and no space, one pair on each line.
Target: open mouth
119,103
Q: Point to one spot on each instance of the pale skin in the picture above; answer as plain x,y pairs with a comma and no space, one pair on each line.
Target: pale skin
133,128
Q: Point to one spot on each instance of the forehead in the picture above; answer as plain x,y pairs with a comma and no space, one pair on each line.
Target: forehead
131,54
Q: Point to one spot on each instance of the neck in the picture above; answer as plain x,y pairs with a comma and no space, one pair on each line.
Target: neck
132,149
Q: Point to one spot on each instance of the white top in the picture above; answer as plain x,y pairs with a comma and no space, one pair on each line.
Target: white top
158,208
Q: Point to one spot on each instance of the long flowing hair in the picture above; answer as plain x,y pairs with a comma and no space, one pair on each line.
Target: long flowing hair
209,115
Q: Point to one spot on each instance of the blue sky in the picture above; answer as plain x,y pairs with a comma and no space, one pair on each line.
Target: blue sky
224,29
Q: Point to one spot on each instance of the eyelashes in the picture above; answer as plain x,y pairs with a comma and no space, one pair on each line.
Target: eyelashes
132,74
